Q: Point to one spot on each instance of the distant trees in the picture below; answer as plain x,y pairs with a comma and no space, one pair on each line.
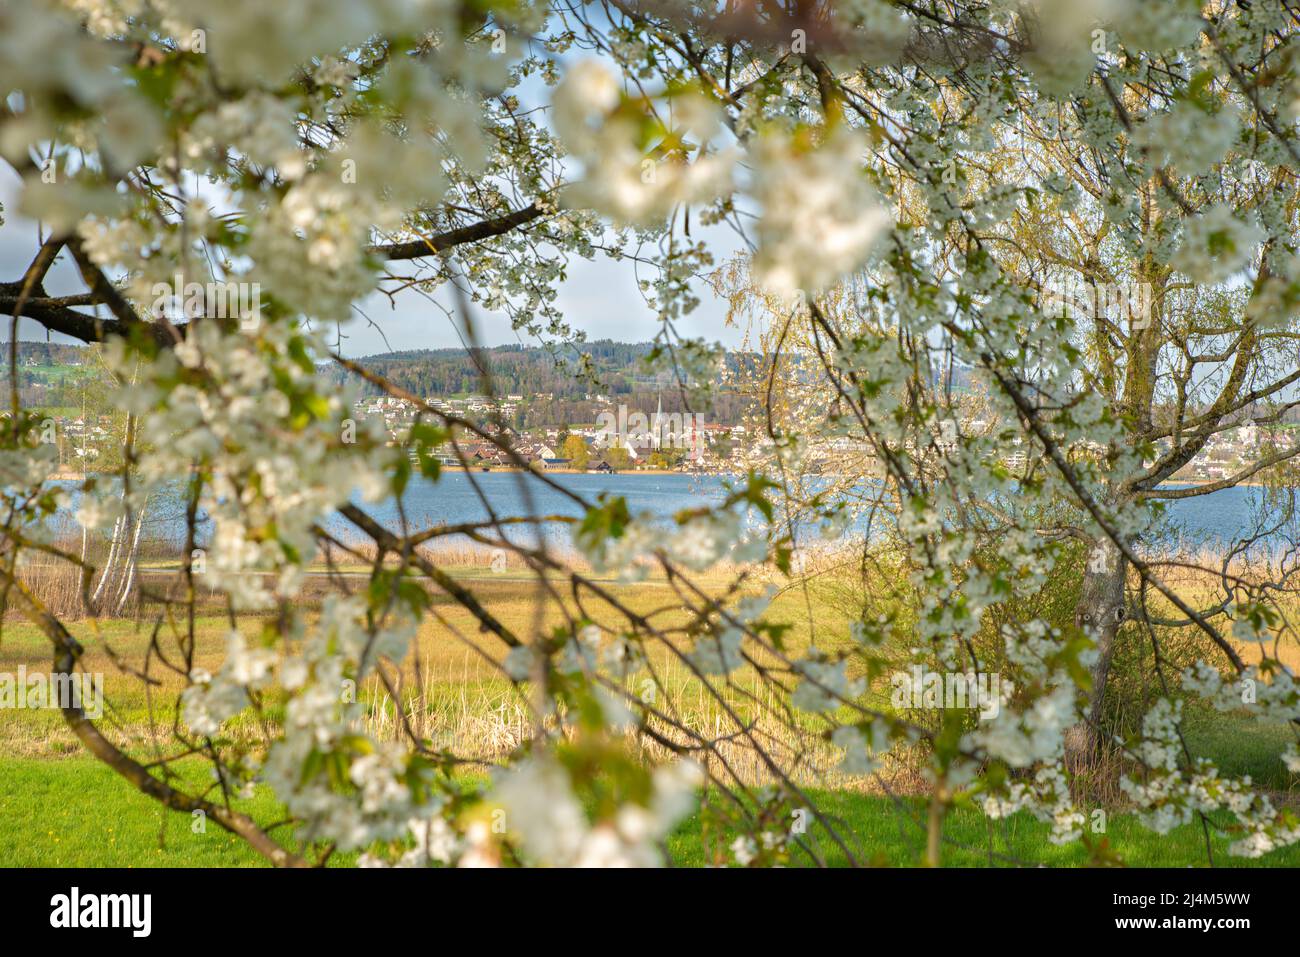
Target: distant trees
618,373
666,458
576,451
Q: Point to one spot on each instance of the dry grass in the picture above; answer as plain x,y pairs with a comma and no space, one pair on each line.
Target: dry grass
63,587
450,692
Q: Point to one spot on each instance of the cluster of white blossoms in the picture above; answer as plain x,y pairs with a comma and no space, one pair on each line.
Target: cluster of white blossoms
633,181
1291,757
211,700
275,448
261,128
698,542
1029,646
1158,27
307,204
703,541
880,28
1070,36
1197,137
864,752
1167,796
745,849
1216,244
311,246
345,785
1277,698
42,54
24,471
582,656
720,653
821,217
1027,737
824,684
1047,797
543,811
249,38
1061,32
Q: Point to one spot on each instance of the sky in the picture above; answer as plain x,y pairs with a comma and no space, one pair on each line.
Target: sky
599,297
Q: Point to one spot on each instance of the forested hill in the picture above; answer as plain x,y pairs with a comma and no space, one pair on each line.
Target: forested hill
43,354
618,368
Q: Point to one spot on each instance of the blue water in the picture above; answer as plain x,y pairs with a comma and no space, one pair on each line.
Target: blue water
1221,518
452,499
1210,521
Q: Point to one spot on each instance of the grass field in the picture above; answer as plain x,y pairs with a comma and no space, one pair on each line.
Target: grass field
59,807
74,812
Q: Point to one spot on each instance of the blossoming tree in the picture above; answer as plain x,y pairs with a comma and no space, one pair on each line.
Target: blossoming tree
905,178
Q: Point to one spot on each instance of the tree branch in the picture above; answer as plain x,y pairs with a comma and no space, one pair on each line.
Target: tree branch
441,242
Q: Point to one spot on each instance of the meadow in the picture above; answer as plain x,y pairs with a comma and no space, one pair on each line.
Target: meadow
75,812
58,806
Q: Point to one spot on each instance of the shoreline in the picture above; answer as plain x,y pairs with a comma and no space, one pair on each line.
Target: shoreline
68,475
64,475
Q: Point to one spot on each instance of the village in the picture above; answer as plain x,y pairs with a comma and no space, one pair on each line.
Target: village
619,440
627,440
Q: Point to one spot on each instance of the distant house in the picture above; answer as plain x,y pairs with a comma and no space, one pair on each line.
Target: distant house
603,467
548,462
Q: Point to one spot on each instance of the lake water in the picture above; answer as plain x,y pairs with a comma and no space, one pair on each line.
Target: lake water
1209,520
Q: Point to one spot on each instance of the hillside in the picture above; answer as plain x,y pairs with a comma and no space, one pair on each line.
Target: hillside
516,369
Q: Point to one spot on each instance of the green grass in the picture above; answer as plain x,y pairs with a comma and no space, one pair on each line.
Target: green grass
59,807
75,812
1241,746
881,833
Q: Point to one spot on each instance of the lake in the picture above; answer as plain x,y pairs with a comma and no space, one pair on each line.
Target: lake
1209,520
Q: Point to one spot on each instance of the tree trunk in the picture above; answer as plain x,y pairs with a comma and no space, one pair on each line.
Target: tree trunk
1099,612
132,557
110,562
